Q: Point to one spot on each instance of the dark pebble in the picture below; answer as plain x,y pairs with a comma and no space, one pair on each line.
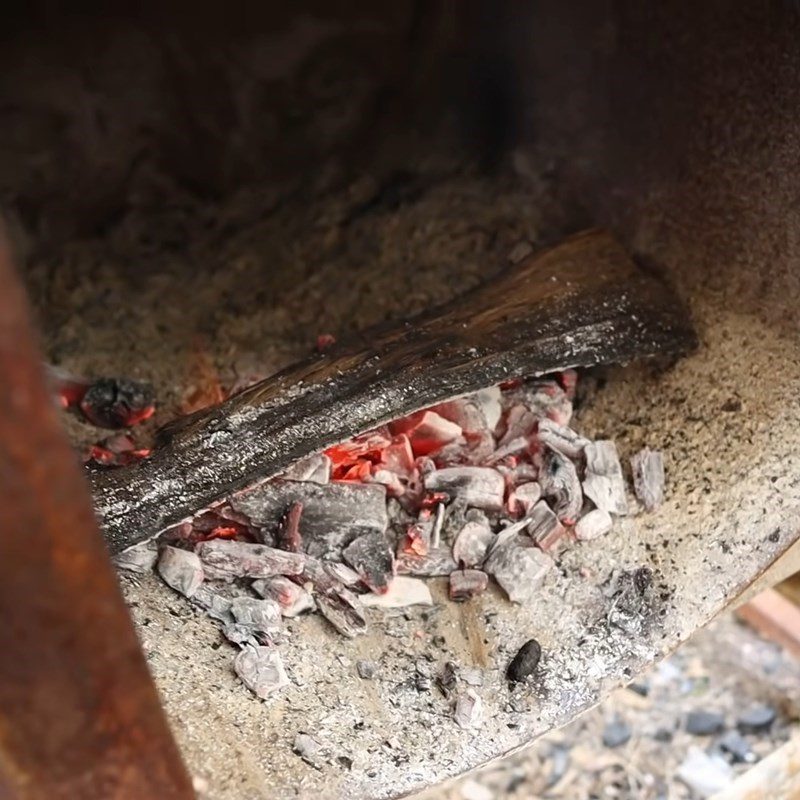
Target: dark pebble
640,688
365,669
524,663
663,735
756,719
737,747
616,733
704,723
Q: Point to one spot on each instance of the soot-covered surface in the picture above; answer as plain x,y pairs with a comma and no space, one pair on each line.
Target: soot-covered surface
724,417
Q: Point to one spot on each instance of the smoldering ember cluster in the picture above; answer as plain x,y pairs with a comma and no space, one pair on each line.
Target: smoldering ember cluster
487,486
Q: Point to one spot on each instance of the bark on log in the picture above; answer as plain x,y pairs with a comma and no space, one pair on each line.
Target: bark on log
581,303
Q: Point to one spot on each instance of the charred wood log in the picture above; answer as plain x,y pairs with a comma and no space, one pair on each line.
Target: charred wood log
581,303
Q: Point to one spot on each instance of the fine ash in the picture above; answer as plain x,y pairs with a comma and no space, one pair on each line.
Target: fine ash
493,484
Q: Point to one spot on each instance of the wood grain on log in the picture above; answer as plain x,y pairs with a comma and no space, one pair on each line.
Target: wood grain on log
580,303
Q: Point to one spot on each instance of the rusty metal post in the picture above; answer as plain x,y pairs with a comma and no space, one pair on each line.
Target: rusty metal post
79,715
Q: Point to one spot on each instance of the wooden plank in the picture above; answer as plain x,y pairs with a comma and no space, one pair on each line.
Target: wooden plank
774,617
583,302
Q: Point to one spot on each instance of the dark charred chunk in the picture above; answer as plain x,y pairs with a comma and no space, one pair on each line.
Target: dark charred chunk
525,662
118,403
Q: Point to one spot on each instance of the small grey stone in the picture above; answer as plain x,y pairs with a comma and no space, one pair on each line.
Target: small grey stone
737,747
616,733
309,749
365,669
756,719
704,723
663,735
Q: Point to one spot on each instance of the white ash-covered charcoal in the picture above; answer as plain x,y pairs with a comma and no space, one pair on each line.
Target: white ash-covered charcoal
517,565
520,423
512,447
291,598
561,486
543,397
261,616
227,560
140,558
341,607
544,528
523,498
437,525
181,570
479,487
466,583
403,592
316,469
216,605
289,536
333,514
473,542
427,431
370,556
519,473
604,484
469,710
472,451
434,564
342,573
417,536
560,438
465,413
261,670
455,517
592,525
488,400
648,477
390,480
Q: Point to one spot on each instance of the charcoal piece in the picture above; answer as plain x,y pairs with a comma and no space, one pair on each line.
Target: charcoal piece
704,723
592,525
523,498
260,668
447,678
333,514
289,536
737,747
604,484
756,719
561,486
544,528
466,414
261,616
314,469
436,527
241,635
117,402
520,423
226,560
616,733
468,710
402,592
365,669
544,398
517,565
473,543
291,598
479,487
488,401
181,570
648,478
217,606
341,572
467,583
509,448
434,564
455,517
427,431
561,439
140,558
525,662
341,607
370,556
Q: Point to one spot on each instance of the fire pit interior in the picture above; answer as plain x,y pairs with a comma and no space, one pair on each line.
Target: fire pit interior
199,206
